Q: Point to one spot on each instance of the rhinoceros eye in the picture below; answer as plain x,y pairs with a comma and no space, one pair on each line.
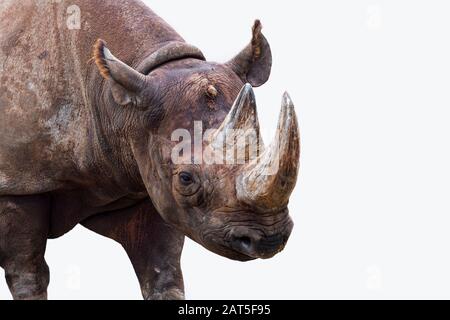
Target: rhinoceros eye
186,178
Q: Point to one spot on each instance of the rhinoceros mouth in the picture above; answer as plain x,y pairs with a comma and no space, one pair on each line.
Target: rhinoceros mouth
228,252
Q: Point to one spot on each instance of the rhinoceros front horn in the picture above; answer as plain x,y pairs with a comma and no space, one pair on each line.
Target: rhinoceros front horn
268,180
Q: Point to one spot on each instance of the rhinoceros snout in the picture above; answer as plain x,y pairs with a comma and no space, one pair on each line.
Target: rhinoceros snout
255,244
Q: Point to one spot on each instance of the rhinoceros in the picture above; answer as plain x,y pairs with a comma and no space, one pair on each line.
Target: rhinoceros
91,94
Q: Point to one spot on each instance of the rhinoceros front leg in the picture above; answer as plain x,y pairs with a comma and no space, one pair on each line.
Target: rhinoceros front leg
24,224
153,246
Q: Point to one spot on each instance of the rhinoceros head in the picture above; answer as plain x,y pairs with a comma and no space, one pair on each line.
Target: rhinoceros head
196,141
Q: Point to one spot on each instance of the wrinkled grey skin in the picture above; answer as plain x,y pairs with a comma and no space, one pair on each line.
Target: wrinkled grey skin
81,143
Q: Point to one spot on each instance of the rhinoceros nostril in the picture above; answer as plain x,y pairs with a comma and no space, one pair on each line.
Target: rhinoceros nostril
246,242
243,244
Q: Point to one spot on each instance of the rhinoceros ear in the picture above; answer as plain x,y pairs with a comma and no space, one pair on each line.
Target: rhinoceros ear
126,83
254,62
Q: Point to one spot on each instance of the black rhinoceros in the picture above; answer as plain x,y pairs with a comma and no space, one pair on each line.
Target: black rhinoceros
86,138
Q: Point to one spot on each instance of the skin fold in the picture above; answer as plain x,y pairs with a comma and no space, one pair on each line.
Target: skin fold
86,118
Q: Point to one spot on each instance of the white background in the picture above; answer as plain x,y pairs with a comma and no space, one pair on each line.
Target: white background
371,82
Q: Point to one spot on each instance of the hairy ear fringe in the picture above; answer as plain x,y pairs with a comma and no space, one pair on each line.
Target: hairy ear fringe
99,58
256,39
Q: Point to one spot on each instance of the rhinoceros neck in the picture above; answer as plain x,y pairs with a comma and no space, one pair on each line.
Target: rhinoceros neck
131,29
133,32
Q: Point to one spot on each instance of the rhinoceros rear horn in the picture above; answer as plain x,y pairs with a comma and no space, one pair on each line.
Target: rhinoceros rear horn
254,62
127,82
